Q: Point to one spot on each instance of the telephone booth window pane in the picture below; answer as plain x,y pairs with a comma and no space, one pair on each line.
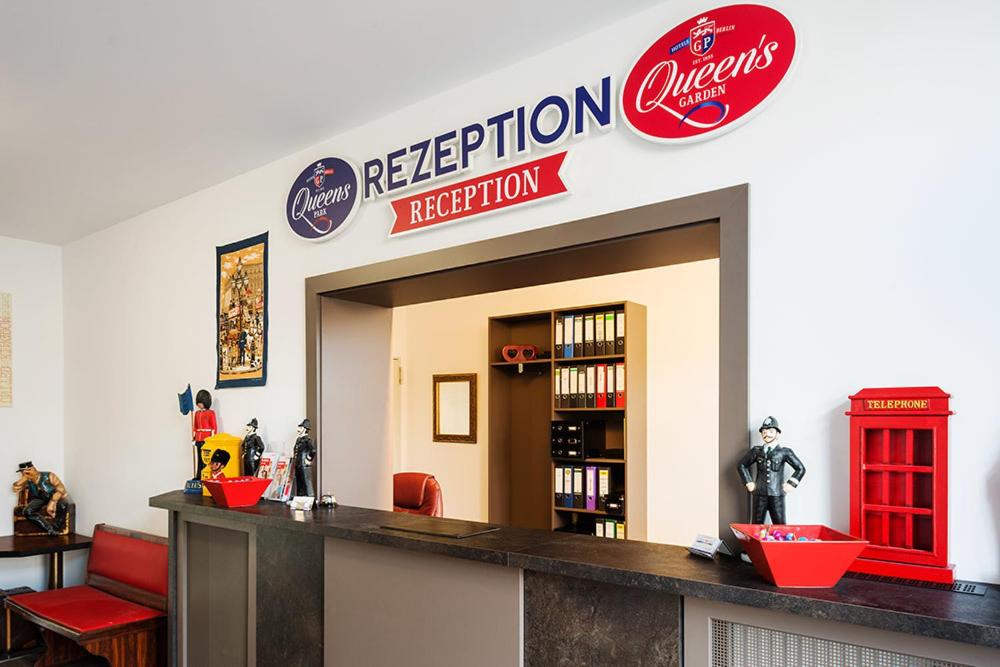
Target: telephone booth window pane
897,446
874,527
898,531
923,490
923,447
874,451
873,489
897,489
923,533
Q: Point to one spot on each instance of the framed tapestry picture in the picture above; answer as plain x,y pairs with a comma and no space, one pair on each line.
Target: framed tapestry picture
241,313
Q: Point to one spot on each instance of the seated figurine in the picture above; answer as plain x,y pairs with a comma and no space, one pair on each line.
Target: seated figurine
46,504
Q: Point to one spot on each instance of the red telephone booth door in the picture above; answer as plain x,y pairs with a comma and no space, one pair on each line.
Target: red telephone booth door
900,505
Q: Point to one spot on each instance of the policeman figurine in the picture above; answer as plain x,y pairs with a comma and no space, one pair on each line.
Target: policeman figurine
251,449
769,487
304,453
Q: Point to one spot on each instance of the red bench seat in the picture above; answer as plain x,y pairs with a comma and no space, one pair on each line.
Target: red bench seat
120,612
84,609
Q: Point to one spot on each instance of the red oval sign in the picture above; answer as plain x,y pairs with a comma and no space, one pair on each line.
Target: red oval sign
706,75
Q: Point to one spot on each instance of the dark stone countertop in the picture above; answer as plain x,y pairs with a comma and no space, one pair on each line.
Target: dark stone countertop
972,619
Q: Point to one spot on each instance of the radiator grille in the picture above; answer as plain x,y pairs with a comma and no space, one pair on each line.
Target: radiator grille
739,645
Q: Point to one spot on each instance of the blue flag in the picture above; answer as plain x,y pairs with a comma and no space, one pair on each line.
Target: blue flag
186,401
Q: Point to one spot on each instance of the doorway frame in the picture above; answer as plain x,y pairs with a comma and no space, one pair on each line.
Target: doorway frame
726,207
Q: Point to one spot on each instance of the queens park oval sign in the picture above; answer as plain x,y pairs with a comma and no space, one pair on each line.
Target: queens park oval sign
323,199
708,74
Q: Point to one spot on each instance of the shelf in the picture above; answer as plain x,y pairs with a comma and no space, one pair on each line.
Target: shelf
897,509
589,409
582,511
533,362
562,460
600,460
895,467
602,357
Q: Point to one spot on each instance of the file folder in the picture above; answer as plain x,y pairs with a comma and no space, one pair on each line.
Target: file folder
577,335
591,372
599,529
599,334
620,384
568,336
567,486
559,337
588,335
578,497
573,395
564,397
620,332
557,388
591,477
620,530
611,386
601,398
609,333
609,528
558,501
603,488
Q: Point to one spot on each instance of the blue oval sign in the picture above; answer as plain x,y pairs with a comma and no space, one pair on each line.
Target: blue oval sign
323,199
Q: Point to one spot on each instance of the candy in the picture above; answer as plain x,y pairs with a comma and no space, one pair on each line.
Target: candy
789,537
803,539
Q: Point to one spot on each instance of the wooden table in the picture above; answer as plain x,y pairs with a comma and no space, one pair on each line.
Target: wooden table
21,546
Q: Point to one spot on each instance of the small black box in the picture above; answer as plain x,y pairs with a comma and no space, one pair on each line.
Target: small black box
577,439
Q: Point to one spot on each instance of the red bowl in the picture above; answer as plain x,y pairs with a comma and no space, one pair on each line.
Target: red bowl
236,491
795,564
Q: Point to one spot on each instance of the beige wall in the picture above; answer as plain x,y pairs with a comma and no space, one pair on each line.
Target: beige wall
683,315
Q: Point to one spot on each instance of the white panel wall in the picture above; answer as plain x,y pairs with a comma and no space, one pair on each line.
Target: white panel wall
872,253
32,427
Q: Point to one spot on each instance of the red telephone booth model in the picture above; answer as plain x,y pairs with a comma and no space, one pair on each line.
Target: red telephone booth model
899,482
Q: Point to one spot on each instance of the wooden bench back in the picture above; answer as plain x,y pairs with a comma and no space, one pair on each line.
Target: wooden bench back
130,565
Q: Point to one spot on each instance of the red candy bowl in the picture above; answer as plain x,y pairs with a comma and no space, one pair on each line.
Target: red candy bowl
817,562
236,491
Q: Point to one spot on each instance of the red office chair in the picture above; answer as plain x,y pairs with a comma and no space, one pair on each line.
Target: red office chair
416,493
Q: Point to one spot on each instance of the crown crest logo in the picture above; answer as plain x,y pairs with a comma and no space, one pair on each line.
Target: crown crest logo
703,20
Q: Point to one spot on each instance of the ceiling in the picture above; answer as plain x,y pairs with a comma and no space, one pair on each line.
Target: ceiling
109,108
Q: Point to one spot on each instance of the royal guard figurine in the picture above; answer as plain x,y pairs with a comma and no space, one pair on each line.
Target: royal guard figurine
203,427
251,449
46,505
304,453
220,459
769,485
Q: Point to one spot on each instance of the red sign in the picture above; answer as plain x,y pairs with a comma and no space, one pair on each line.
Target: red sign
706,75
524,183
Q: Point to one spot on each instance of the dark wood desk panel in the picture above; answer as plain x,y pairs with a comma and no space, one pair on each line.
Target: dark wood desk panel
971,619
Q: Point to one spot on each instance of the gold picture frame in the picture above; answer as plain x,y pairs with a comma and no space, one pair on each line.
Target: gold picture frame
455,407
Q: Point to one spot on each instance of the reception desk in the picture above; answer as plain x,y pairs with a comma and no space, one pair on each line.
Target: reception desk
267,585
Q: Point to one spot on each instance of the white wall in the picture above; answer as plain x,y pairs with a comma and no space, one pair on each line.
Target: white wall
32,427
682,330
871,260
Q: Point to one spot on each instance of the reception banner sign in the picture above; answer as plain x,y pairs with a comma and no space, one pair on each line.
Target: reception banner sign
241,313
513,186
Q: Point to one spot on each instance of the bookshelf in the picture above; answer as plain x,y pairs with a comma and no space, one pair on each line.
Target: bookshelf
523,404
